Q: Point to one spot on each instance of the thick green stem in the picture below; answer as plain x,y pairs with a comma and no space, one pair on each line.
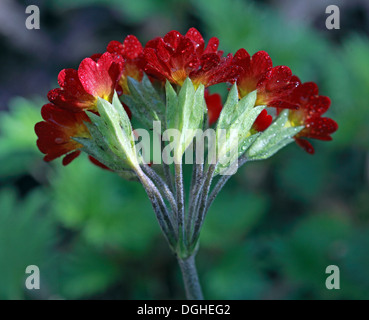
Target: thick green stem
190,278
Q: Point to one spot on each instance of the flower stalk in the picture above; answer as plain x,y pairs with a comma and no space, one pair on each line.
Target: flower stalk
190,278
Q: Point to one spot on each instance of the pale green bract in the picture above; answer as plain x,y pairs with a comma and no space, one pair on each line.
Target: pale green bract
185,113
233,127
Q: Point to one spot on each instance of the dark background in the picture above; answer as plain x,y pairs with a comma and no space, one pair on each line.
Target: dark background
278,223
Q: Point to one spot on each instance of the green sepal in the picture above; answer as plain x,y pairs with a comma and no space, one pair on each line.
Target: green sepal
274,138
237,120
144,101
112,141
185,113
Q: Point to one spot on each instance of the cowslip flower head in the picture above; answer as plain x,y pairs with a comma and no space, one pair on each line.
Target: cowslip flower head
273,84
55,132
79,89
309,114
176,57
131,52
96,76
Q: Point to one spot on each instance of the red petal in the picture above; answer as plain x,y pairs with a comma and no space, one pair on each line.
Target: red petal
194,35
209,61
154,67
54,134
53,141
260,63
319,128
263,121
212,46
72,95
242,58
295,79
214,105
132,48
115,47
98,163
152,43
62,117
306,145
172,39
317,105
70,157
95,57
99,79
277,78
303,92
162,52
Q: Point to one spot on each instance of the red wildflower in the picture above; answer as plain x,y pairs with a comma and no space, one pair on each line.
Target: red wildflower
311,107
273,84
214,105
54,134
80,88
131,52
176,57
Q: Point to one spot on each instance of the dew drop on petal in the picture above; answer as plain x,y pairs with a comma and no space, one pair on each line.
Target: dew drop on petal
59,140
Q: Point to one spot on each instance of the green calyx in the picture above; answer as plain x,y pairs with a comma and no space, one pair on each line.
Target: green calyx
112,141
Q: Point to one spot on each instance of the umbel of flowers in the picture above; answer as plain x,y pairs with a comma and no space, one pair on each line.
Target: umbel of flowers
167,81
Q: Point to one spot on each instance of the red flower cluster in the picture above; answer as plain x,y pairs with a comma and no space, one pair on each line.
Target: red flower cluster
175,57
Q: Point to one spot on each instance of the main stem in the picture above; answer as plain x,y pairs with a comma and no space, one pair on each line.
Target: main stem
190,278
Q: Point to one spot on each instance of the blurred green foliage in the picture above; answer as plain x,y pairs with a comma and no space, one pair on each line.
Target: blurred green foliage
271,233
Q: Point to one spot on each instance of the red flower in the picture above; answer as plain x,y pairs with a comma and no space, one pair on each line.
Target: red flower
176,57
263,121
54,134
273,84
80,88
131,52
311,107
214,105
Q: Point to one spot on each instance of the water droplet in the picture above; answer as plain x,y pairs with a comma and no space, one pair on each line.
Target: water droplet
59,140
